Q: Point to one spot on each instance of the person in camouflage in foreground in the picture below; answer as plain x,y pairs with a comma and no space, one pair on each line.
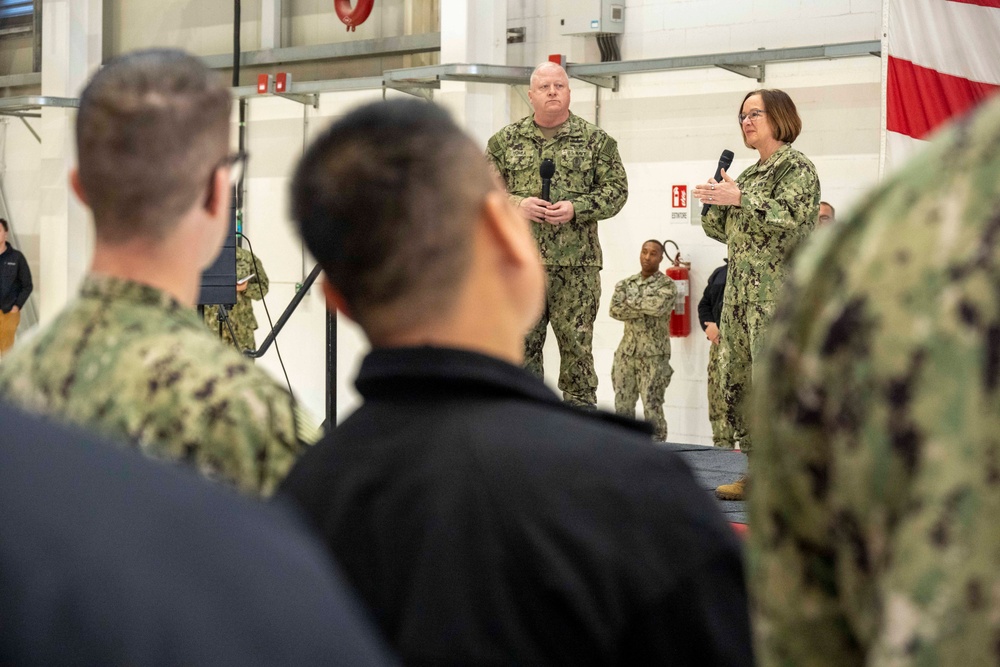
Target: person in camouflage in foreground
589,185
130,356
642,361
762,217
241,316
876,489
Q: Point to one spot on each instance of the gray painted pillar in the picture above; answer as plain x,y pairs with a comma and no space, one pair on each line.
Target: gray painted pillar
71,52
475,31
270,24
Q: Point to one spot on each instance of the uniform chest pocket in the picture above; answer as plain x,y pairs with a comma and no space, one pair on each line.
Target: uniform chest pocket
752,183
522,173
521,160
575,170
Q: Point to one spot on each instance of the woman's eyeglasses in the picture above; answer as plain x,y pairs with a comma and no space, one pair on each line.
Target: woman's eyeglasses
753,116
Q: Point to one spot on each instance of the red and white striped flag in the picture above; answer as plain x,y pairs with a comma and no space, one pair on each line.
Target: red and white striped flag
944,59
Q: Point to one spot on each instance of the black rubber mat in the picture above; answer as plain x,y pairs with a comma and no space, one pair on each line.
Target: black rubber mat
712,467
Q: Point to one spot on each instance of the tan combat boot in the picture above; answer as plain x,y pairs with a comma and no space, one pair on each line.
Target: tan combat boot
735,491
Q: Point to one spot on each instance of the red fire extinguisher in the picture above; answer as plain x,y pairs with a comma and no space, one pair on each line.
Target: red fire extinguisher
679,272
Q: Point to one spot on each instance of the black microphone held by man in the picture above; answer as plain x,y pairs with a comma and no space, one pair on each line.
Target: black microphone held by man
547,170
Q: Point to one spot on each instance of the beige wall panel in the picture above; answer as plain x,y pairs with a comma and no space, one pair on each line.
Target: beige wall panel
16,54
203,28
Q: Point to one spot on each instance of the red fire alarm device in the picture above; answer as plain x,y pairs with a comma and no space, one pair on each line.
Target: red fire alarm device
263,84
282,82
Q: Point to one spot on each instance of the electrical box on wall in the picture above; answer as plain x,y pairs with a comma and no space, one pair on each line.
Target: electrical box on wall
591,17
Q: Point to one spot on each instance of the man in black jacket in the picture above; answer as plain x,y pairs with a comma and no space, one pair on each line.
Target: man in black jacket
482,520
15,287
709,314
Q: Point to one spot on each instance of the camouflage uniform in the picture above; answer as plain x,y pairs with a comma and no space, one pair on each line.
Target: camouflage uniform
642,360
873,511
590,174
710,310
133,363
718,414
241,315
779,208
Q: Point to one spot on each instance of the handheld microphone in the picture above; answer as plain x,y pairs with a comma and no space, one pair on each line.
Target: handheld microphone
546,170
725,161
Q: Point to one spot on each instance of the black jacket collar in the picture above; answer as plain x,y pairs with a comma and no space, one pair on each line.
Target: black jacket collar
418,371
387,368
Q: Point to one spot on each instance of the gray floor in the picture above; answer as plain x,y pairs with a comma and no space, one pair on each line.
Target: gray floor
713,467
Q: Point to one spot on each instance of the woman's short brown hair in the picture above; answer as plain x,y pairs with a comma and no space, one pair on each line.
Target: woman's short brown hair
781,114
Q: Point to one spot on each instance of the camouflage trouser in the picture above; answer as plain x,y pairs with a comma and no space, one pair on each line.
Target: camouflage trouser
648,377
718,415
742,328
571,302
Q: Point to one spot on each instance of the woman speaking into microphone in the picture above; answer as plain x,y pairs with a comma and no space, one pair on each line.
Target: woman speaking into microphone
761,216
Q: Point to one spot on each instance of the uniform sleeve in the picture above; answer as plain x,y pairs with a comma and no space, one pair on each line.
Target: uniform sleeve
793,203
257,445
714,223
495,149
619,310
642,300
817,506
790,562
259,284
657,301
875,469
609,190
24,279
792,556
496,155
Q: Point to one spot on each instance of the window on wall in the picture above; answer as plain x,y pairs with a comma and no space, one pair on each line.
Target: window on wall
16,16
